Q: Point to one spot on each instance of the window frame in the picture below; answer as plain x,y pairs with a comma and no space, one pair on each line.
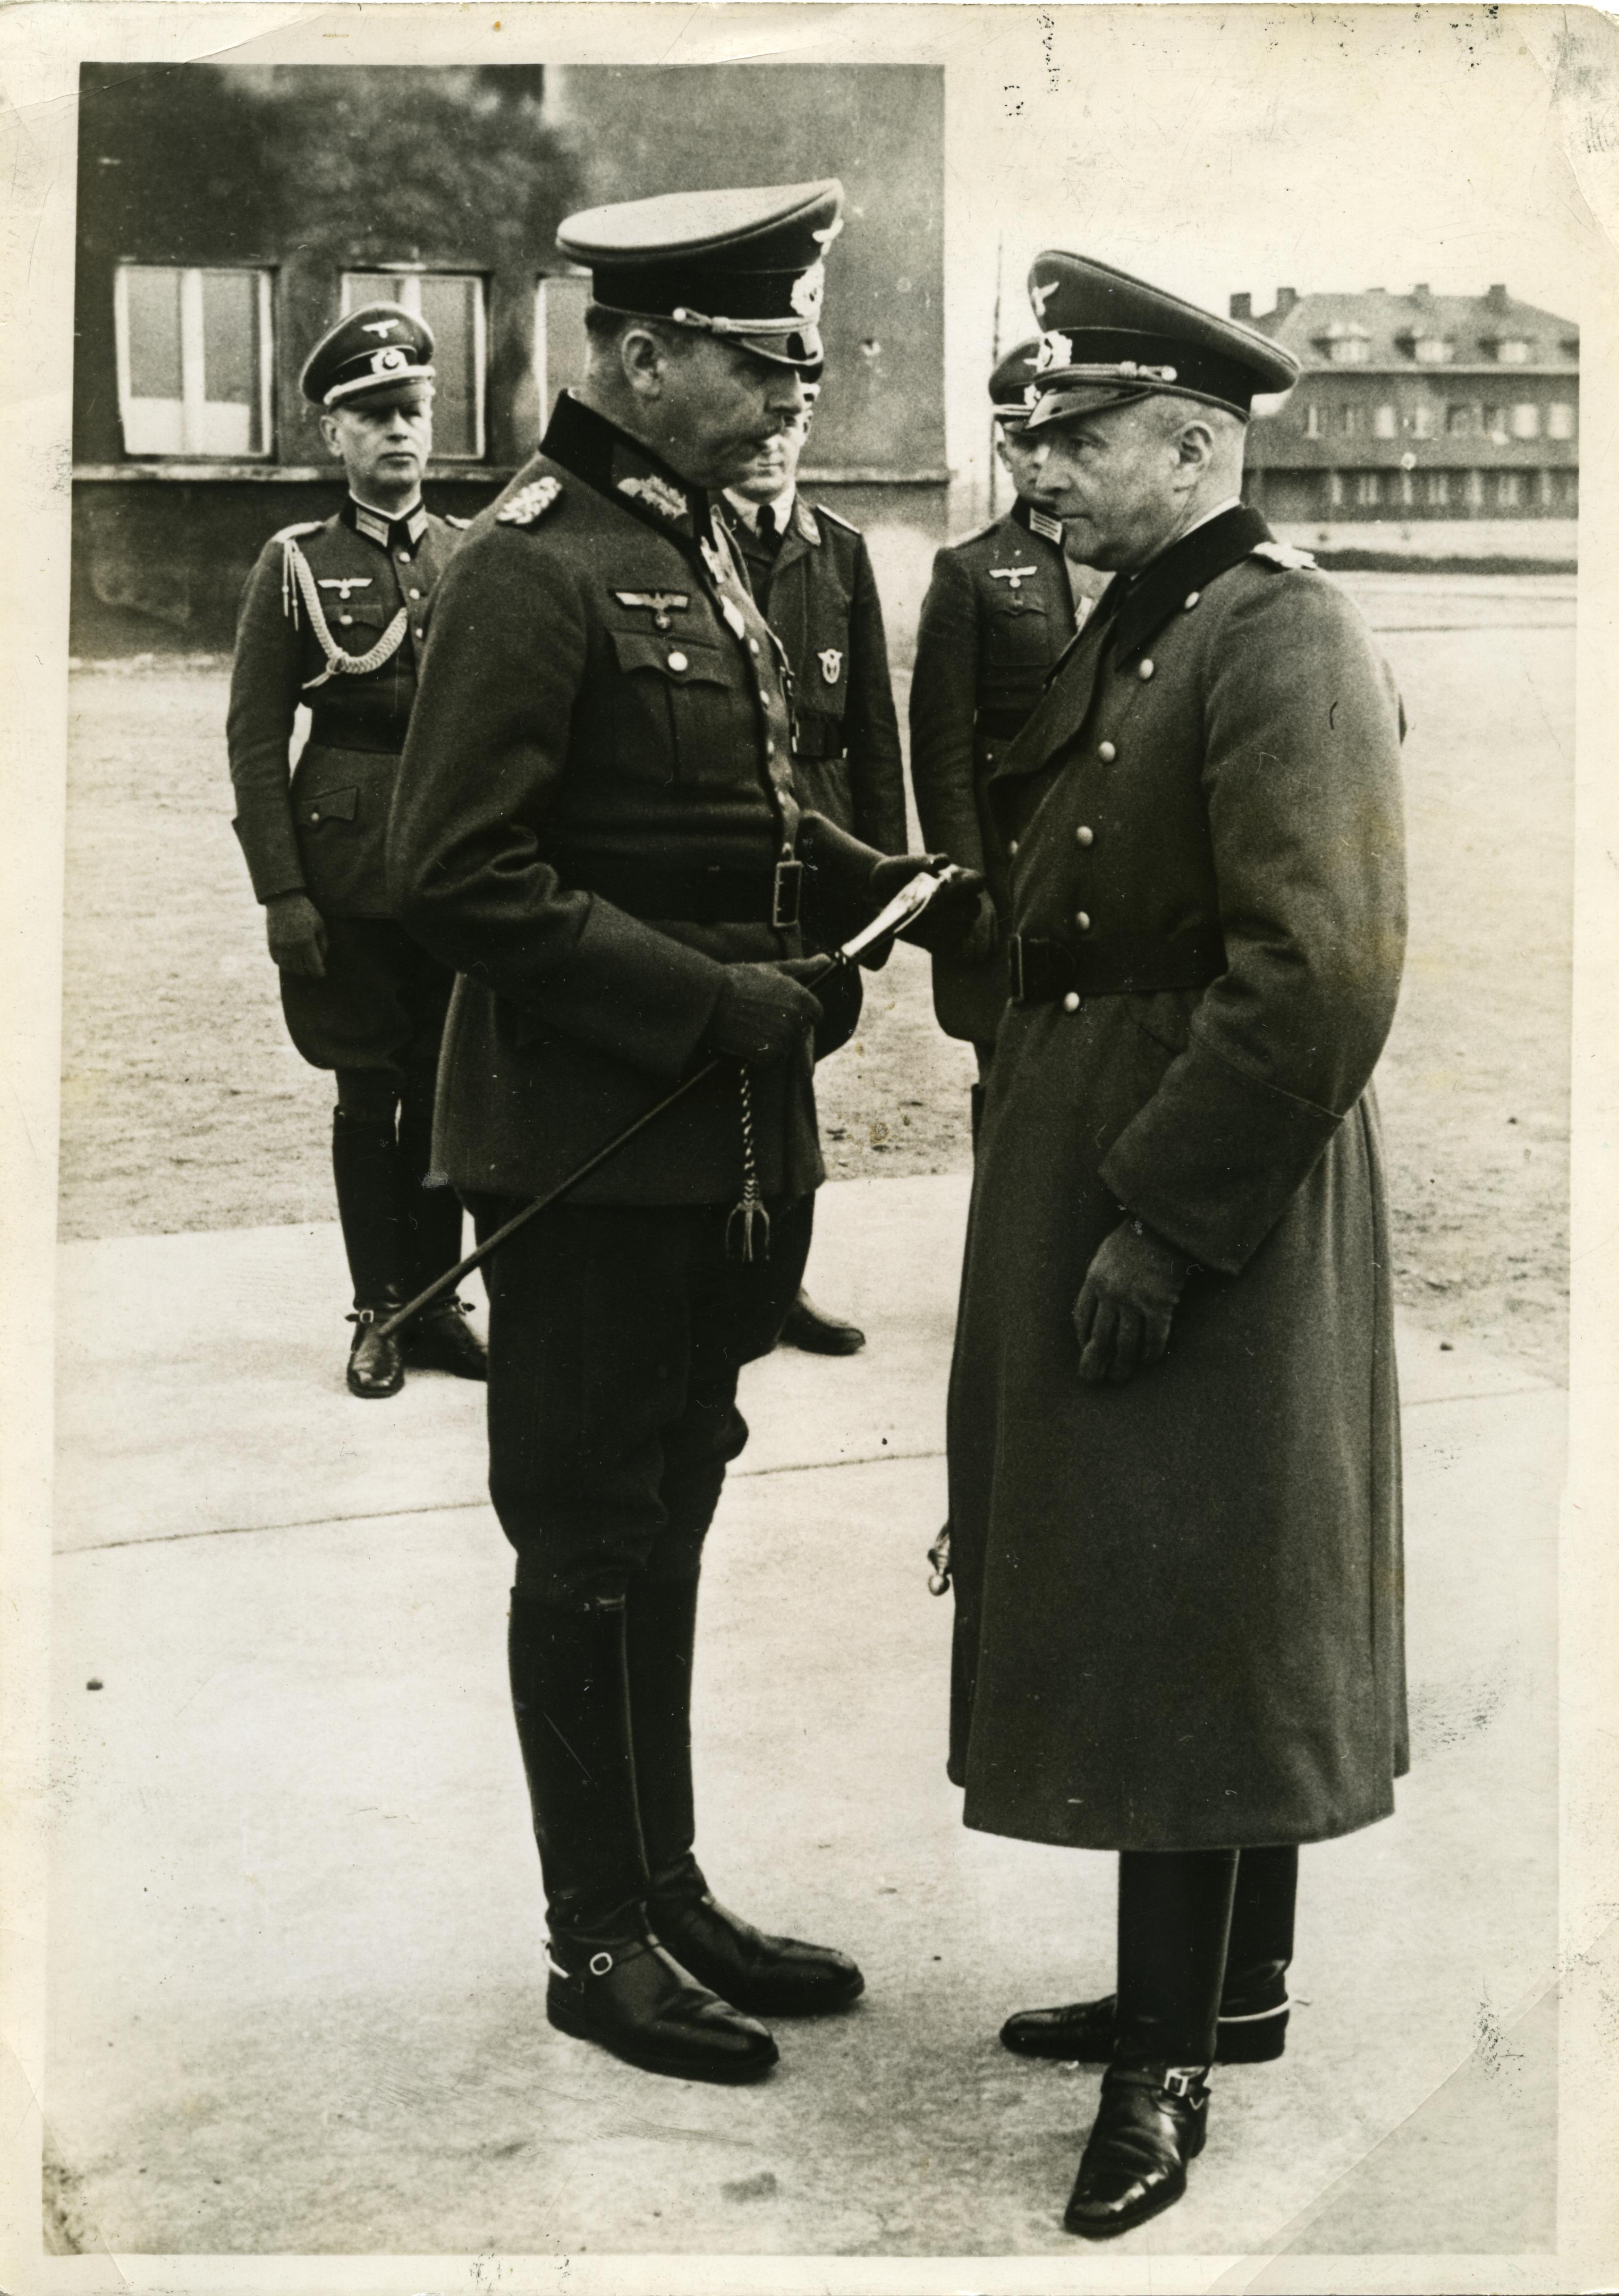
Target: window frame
192,368
412,275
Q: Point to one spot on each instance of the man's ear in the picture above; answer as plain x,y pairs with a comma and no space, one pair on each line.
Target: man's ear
1194,449
644,360
328,432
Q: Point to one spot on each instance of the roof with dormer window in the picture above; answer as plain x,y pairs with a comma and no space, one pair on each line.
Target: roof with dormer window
1474,326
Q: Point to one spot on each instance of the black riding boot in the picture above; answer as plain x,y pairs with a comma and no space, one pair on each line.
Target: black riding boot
440,1339
611,1981
1253,2028
1174,1925
772,1976
365,1166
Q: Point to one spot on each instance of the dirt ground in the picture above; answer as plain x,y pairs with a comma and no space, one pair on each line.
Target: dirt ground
184,1106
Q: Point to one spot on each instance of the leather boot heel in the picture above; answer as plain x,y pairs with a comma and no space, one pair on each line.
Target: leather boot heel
635,2001
1151,2122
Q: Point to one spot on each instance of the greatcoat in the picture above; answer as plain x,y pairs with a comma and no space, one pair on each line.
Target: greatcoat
1178,1614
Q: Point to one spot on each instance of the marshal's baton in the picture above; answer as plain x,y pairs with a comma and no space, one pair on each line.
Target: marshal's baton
908,903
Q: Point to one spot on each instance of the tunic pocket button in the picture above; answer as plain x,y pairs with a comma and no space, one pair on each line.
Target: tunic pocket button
1082,918
346,620
1084,836
1107,752
677,661
1012,850
1144,669
1071,1002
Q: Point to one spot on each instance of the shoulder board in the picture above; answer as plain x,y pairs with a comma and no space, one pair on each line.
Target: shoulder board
291,533
460,524
530,504
1282,555
977,535
837,518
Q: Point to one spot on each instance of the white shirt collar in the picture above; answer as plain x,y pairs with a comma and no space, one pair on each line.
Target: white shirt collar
781,505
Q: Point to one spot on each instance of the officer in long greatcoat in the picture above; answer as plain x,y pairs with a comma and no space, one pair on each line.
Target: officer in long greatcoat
811,574
998,611
596,825
1174,1465
333,617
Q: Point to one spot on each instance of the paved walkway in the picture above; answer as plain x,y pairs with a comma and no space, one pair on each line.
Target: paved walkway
297,1988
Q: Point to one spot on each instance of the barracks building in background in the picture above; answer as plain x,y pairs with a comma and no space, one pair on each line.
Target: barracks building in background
227,216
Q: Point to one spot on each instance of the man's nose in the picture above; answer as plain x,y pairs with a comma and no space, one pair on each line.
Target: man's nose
785,395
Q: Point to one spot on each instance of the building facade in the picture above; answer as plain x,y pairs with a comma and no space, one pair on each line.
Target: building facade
1418,409
227,216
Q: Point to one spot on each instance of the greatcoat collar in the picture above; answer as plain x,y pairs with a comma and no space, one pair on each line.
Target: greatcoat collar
1163,586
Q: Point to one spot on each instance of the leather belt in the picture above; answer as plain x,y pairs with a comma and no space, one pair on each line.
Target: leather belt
1000,724
324,736
1128,964
694,897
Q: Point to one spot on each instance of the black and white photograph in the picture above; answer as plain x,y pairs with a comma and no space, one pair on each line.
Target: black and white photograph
808,1433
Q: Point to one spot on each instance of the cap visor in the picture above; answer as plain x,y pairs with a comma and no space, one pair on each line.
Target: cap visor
398,390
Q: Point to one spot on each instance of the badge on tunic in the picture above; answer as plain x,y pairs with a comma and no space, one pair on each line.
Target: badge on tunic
734,619
668,501
832,665
530,504
343,583
658,603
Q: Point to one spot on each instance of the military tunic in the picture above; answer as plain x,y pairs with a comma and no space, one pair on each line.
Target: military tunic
1179,1601
360,588
998,613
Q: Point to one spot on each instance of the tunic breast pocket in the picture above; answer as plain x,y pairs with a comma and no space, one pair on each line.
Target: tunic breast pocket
1019,634
677,715
358,622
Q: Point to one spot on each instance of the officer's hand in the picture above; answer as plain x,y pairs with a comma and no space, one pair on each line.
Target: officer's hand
1127,1301
297,934
762,1014
952,912
984,937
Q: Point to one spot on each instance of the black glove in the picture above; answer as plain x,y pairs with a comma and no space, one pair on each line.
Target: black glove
948,917
1127,1301
762,1013
297,935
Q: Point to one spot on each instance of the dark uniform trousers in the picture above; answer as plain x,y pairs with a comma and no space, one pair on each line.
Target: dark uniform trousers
358,588
999,613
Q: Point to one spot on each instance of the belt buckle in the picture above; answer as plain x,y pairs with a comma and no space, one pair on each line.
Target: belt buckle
1014,967
786,895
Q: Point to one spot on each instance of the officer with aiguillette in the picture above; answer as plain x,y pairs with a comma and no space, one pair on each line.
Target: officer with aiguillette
1174,1434
999,612
811,575
333,617
595,826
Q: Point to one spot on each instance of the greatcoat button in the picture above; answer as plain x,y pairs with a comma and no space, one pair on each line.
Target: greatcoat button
1071,1002
1191,599
1012,849
1144,669
1107,752
677,661
415,593
1084,836
1082,918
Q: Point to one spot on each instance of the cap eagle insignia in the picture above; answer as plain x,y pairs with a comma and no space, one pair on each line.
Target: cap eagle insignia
380,327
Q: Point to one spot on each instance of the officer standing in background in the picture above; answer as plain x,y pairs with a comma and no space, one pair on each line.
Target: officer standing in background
333,618
998,613
596,826
1174,1436
811,574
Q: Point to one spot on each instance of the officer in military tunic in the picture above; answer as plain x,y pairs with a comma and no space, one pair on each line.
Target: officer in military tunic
333,618
1174,1463
596,825
998,611
811,574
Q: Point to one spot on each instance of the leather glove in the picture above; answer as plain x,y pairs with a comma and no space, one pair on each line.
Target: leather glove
983,939
1127,1301
762,1014
297,935
952,912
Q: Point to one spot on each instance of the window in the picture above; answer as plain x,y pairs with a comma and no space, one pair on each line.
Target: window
1560,419
1507,489
559,336
1432,351
1513,351
1407,490
452,304
1526,420
1335,489
1349,421
1438,489
1368,488
1423,425
193,360
1384,423
1458,422
1495,425
1476,490
1313,420
1349,350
